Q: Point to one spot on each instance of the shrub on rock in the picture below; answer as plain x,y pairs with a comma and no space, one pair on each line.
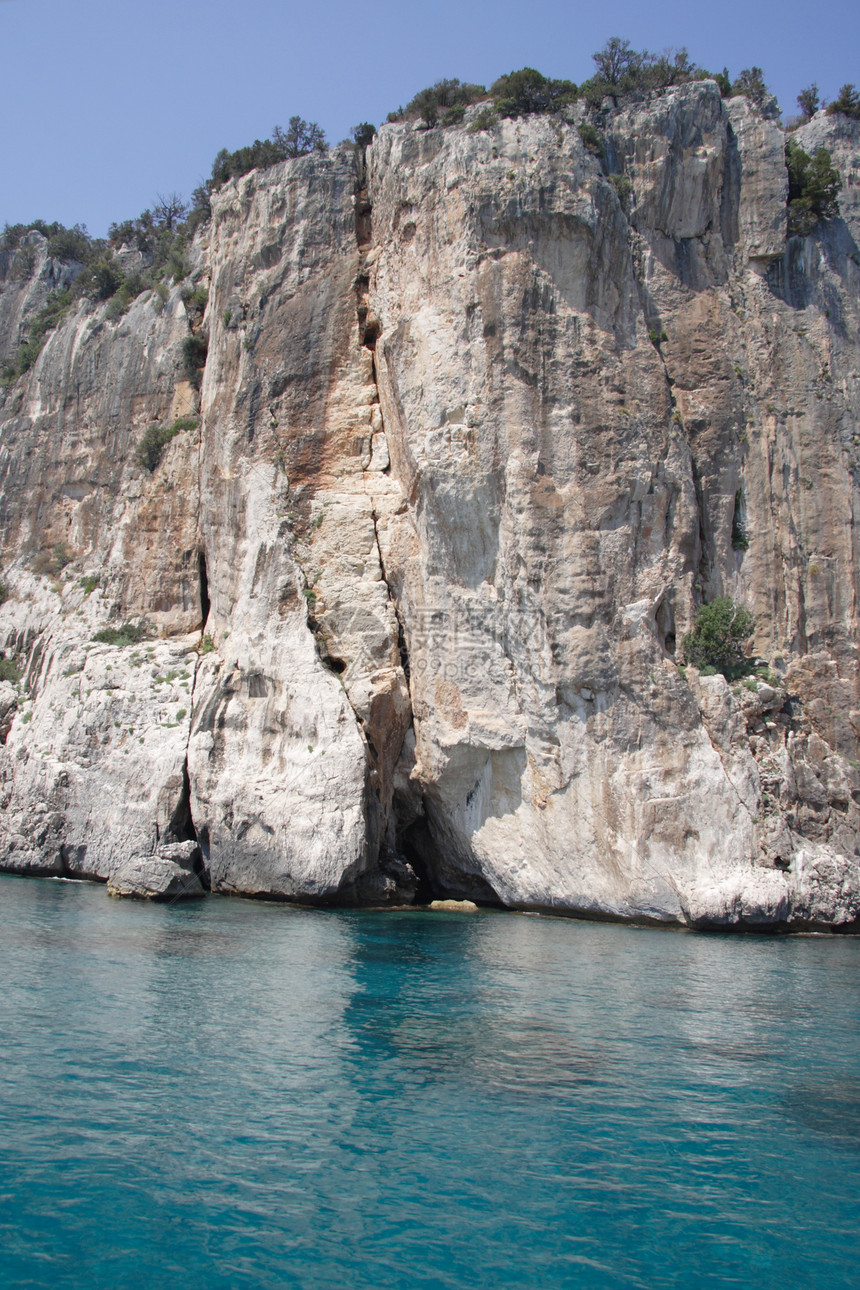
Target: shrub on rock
813,188
719,636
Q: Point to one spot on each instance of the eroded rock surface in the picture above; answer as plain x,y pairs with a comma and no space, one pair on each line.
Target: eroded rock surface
170,874
480,421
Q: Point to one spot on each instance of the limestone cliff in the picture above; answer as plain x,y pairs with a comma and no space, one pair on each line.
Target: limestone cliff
479,418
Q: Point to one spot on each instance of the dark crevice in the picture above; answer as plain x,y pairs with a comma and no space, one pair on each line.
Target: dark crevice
792,276
181,827
363,217
413,870
418,850
368,323
370,334
204,589
437,878
73,863
664,621
657,337
740,536
330,661
401,644
731,194
704,572
402,648
393,872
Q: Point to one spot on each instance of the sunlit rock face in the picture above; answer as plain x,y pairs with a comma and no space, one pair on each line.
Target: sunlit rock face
481,421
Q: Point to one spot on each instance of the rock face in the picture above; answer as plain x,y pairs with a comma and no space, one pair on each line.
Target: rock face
167,875
478,422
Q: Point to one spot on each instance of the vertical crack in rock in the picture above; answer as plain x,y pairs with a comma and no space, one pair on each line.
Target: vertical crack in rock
402,647
382,719
409,856
182,825
655,326
203,584
703,567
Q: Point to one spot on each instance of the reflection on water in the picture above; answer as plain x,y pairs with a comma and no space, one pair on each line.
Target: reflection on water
735,1052
510,1053
237,1094
831,1107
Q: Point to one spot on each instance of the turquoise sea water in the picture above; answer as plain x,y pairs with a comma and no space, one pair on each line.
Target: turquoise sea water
240,1094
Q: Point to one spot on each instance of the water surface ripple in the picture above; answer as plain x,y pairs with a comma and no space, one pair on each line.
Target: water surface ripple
240,1094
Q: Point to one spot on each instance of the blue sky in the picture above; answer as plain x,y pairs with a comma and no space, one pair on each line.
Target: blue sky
104,104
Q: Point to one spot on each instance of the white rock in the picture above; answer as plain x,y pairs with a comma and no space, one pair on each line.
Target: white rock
448,571
454,906
153,878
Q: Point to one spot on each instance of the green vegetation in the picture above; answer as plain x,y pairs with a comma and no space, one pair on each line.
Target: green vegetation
151,447
620,71
207,645
63,243
808,102
4,593
592,138
527,91
617,62
362,134
484,119
624,188
53,562
847,103
105,271
40,325
751,83
194,351
160,236
10,670
89,583
300,138
443,103
813,188
195,300
128,634
716,643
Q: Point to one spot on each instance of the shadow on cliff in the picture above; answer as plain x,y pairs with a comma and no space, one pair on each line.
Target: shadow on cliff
796,277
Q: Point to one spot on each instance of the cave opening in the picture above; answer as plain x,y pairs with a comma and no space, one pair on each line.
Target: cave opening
416,845
181,828
370,333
